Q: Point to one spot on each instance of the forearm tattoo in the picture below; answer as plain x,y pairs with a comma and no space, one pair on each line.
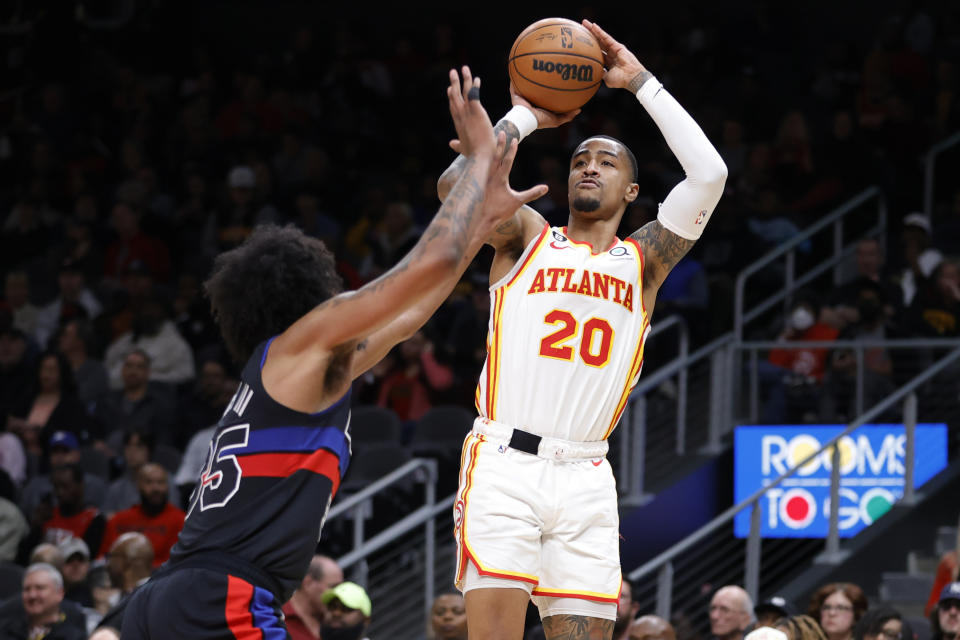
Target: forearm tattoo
638,80
455,170
662,250
568,627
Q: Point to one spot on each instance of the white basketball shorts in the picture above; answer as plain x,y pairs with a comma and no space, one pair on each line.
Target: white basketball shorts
545,523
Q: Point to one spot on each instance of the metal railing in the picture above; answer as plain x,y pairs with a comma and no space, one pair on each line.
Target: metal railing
857,346
663,564
359,506
929,172
792,281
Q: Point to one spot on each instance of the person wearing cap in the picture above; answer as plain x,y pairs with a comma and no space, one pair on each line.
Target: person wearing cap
731,612
652,628
348,612
945,619
232,224
74,299
63,450
919,258
772,609
76,571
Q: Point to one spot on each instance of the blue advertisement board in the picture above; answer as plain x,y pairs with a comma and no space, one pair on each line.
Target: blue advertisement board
871,474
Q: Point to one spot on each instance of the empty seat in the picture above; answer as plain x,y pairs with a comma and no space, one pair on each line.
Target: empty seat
372,425
442,430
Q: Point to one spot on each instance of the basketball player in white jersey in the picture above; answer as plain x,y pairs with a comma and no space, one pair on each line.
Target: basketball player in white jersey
536,513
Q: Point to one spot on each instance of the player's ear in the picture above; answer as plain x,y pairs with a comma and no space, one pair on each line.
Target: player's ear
633,190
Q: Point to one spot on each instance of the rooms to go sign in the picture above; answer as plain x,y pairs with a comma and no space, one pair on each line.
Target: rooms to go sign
872,467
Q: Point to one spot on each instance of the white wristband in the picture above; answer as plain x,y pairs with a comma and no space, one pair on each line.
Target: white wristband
523,119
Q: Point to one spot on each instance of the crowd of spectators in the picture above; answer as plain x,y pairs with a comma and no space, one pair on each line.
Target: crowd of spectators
131,156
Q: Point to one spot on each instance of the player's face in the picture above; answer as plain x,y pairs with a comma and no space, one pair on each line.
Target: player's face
600,179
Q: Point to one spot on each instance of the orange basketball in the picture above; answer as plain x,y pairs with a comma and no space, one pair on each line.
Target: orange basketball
556,64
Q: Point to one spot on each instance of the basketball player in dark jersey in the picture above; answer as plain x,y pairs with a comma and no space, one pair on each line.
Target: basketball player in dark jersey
283,444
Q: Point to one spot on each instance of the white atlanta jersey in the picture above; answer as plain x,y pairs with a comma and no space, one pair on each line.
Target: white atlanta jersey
565,340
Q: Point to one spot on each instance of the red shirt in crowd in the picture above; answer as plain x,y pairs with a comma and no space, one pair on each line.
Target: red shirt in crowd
76,524
161,530
806,362
295,626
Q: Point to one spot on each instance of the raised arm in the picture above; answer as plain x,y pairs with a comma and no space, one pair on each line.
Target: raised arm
686,209
510,238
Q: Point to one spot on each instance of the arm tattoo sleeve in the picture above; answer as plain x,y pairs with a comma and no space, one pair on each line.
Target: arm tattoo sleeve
455,170
569,627
662,250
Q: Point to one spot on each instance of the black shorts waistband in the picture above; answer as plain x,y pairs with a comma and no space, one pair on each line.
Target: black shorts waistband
225,563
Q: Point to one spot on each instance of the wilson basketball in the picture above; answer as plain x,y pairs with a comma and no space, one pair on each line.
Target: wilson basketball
556,64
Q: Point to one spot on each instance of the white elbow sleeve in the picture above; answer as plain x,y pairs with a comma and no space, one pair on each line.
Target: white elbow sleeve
688,206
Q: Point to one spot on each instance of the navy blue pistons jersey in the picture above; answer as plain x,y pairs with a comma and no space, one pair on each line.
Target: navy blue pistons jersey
267,484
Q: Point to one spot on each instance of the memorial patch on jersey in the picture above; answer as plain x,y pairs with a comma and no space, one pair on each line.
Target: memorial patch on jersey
587,283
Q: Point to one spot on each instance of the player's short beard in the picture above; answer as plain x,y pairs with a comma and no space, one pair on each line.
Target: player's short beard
585,204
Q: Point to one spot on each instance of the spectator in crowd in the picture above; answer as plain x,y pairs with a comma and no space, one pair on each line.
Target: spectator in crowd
801,628
233,223
132,244
883,623
129,562
731,611
75,300
838,401
153,333
125,491
13,526
416,377
16,374
48,553
53,407
13,461
154,517
304,612
16,302
75,343
105,596
947,569
63,450
772,609
651,627
137,406
70,516
790,378
204,405
41,614
76,571
348,612
448,617
838,606
842,308
627,609
945,619
935,311
919,257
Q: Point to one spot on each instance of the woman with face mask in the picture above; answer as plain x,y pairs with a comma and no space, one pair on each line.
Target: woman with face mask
790,378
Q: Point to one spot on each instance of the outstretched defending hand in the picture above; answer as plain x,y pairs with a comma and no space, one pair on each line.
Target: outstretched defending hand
623,68
474,130
501,201
545,119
